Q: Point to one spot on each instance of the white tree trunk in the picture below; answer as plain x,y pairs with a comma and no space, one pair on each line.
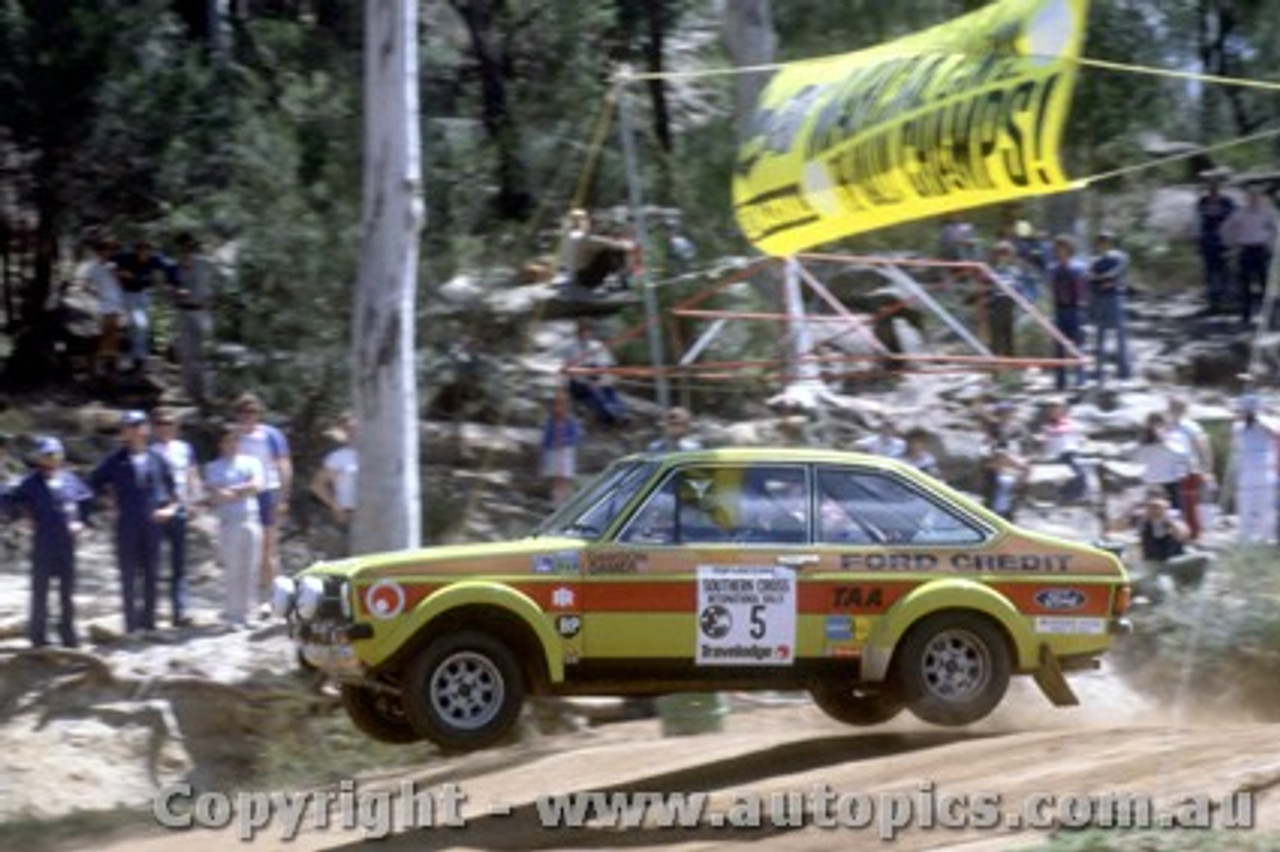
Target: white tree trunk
747,30
389,514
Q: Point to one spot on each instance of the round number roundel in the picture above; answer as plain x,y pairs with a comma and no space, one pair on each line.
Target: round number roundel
385,599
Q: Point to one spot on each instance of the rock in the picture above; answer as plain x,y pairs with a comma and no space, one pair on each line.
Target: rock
461,291
1212,363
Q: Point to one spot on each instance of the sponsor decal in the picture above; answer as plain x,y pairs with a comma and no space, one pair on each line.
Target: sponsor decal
1064,600
839,628
569,626
616,562
843,651
385,599
1055,563
746,615
564,562
563,598
856,597
1071,626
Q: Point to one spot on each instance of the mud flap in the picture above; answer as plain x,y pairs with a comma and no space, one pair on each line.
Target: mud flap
1049,678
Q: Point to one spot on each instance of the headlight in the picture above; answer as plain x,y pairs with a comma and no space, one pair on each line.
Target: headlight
310,596
283,592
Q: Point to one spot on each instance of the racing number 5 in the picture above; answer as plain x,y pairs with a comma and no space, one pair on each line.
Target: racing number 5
758,624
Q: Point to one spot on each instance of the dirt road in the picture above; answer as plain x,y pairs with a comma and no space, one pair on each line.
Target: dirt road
1024,752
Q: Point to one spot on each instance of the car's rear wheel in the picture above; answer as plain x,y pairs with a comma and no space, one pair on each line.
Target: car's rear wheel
379,714
855,706
464,691
953,668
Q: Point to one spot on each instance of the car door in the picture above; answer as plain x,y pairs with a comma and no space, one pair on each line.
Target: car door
705,571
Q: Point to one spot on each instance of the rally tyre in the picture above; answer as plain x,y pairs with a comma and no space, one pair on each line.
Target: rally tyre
378,714
953,668
854,706
464,691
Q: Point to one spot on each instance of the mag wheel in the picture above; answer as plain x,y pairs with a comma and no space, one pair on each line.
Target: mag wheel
953,668
464,691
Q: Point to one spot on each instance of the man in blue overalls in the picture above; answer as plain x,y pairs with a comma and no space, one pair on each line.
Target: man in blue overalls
142,484
56,503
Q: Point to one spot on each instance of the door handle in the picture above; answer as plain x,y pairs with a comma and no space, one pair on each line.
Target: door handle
798,560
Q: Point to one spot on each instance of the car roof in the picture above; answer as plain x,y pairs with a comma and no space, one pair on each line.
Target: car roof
795,455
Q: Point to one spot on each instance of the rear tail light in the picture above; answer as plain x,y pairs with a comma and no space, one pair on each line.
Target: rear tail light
1123,596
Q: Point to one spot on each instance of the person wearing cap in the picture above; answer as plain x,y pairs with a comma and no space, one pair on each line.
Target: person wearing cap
186,477
1252,467
141,483
270,447
676,427
1066,276
334,482
56,504
1108,284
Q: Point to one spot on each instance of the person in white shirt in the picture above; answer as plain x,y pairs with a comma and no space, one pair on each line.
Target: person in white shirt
270,447
1060,440
106,286
885,441
1252,230
186,479
334,482
1253,468
1164,462
595,389
676,428
1189,437
233,483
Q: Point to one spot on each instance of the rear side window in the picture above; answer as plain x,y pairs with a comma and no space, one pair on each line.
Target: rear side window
870,507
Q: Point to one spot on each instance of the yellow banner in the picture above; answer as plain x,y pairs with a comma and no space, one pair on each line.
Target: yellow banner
964,114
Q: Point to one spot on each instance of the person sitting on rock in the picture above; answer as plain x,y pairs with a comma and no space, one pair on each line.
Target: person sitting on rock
588,260
1163,537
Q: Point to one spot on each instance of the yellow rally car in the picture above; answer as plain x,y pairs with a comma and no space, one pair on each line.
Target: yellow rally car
857,578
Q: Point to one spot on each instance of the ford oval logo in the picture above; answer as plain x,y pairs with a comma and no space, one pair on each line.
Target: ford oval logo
1060,600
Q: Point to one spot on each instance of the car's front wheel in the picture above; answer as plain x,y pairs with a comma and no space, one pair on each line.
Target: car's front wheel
953,668
464,691
855,706
379,714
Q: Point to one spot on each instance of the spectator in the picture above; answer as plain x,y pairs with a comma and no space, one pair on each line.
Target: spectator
560,438
918,454
111,308
594,389
234,481
1066,276
145,495
193,296
139,270
186,479
1252,467
1061,441
1189,438
270,447
1212,209
885,441
1033,250
1107,280
1000,306
676,437
334,483
1005,467
588,259
1163,538
1252,230
56,504
1164,462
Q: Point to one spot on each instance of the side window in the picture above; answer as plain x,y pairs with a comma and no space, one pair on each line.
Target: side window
864,507
730,504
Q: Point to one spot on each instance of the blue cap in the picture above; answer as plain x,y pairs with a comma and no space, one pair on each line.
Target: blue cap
132,418
48,446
